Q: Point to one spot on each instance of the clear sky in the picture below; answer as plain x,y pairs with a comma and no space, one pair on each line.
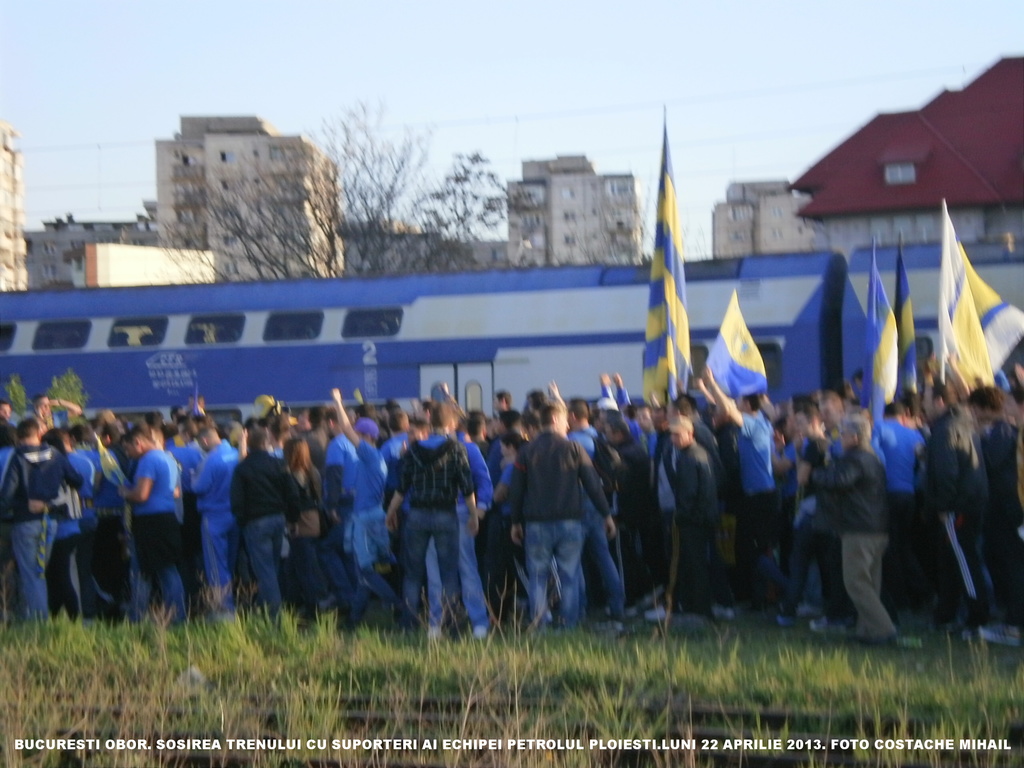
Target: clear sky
751,90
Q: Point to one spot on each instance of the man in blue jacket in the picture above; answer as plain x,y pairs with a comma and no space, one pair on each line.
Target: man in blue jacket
33,480
211,483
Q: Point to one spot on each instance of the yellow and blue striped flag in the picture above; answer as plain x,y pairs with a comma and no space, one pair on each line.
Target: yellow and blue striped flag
667,348
735,359
960,330
881,350
906,334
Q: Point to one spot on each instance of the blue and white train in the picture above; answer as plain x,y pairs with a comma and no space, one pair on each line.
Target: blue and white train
146,348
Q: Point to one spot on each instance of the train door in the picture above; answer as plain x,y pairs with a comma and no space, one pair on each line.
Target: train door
471,384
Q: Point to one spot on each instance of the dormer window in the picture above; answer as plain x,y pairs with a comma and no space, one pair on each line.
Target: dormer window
900,173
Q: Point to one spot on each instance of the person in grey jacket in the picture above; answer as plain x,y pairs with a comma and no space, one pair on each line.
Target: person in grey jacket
548,480
856,482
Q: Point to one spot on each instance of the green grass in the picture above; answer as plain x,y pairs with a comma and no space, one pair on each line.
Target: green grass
264,680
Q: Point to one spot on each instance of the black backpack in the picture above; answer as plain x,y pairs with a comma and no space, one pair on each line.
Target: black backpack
608,464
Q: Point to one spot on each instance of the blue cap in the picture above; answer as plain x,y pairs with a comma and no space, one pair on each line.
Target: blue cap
368,427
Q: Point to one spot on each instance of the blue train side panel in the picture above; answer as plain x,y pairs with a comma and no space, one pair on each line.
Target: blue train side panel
579,314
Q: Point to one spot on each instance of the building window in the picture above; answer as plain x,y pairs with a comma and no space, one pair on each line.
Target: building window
570,239
137,332
224,185
276,153
293,326
187,160
776,233
620,188
776,213
569,216
227,157
900,173
738,237
568,193
741,213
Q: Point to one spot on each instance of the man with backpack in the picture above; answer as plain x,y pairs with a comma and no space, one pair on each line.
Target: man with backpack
32,482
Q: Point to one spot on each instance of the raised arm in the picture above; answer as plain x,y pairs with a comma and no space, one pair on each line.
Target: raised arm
712,392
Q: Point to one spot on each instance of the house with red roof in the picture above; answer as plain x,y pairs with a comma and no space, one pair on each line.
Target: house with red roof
888,179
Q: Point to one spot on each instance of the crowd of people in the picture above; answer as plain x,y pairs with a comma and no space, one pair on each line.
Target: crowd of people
563,513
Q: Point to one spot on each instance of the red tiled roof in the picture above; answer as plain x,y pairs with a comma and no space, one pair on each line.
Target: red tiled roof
967,147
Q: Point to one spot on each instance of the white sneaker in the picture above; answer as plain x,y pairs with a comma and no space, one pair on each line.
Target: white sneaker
1001,635
433,633
656,614
480,633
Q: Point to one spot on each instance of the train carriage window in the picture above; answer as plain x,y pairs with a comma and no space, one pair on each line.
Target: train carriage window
474,399
6,336
698,361
62,334
293,326
771,354
215,329
137,332
363,323
923,348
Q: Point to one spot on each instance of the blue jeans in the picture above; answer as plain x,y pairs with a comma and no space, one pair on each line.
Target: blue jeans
422,526
31,541
220,553
263,538
168,579
336,562
563,540
304,571
472,589
596,549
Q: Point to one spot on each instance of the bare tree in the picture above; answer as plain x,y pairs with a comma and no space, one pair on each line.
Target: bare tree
468,205
362,188
382,186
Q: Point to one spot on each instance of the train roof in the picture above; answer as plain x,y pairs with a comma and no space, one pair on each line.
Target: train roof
377,291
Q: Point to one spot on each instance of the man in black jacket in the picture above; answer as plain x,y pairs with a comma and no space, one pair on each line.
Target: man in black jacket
260,496
957,494
434,472
1004,549
856,484
639,520
696,514
550,475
